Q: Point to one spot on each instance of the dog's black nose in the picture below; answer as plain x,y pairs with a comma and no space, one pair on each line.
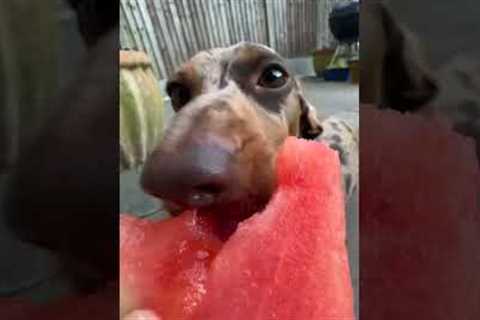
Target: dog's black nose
196,176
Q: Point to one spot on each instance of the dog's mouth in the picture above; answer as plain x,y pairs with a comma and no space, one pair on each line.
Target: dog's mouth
211,181
224,215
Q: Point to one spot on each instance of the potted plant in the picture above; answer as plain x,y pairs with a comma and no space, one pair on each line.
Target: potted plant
141,109
321,59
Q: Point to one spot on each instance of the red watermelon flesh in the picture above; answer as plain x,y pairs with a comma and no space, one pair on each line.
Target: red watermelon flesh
420,220
164,264
287,262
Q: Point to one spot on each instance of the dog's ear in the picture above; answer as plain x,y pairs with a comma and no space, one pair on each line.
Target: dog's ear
407,83
310,126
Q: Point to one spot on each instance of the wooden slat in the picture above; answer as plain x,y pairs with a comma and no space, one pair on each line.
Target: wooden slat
221,24
225,22
243,23
283,18
238,19
191,25
297,26
185,24
135,36
217,22
252,20
126,37
167,49
307,24
193,21
212,11
172,20
207,6
314,24
138,23
201,25
162,14
260,21
295,29
164,58
154,51
206,24
244,18
285,33
303,18
248,24
233,30
278,24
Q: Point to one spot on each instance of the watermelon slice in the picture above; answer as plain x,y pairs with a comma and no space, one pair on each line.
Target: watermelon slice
164,264
420,220
290,261
287,262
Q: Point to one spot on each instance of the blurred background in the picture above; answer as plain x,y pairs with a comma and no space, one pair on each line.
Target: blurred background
37,59
450,31
42,51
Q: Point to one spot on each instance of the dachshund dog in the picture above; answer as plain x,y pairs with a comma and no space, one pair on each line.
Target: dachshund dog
234,108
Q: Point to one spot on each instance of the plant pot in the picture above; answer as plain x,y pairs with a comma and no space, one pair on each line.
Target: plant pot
141,109
321,59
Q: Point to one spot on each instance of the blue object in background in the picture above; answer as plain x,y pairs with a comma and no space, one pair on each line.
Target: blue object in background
336,74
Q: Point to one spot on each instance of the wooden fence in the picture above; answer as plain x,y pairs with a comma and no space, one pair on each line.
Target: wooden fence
171,31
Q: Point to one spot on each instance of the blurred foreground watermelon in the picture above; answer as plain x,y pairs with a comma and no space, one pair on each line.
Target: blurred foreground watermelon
287,262
420,220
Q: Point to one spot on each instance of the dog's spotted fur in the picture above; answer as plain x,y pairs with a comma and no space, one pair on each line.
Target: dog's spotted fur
340,136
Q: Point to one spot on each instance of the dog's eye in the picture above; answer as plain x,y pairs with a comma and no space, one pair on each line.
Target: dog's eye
179,94
273,77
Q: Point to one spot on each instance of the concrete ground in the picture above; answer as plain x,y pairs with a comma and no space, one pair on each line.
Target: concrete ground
333,98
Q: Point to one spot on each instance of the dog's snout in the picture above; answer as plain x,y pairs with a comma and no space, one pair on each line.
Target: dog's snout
197,176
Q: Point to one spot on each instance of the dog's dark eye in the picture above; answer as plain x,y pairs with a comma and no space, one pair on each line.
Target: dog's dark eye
179,94
273,77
